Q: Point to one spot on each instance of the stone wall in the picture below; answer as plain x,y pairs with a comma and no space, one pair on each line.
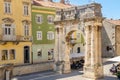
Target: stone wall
31,68
108,39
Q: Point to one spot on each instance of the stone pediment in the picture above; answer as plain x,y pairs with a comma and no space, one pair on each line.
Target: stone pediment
26,21
8,20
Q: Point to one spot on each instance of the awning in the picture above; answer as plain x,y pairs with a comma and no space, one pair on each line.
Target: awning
76,55
116,59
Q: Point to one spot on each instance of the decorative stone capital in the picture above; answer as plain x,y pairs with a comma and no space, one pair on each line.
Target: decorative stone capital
98,24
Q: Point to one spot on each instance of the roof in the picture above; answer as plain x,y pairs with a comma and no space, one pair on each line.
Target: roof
51,4
116,22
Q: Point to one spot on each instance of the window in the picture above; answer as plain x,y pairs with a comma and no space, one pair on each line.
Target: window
50,54
57,13
108,48
50,19
50,35
26,30
12,54
39,52
8,54
8,29
78,50
78,35
26,10
39,35
4,55
7,7
39,19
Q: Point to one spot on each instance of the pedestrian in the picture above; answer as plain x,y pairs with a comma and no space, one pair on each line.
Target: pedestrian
113,69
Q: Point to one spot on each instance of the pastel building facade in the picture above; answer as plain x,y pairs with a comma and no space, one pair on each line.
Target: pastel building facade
43,29
15,32
43,33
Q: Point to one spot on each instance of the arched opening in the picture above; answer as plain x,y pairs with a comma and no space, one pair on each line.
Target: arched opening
76,50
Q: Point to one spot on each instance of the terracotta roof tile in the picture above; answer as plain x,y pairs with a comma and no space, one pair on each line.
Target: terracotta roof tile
51,4
116,22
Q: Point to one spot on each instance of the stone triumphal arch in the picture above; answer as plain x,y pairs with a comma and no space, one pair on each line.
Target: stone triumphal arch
66,22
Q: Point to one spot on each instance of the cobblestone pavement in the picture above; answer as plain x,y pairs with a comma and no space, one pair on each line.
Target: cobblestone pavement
74,75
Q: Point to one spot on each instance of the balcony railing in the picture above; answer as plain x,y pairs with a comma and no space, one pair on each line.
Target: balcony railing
26,38
8,38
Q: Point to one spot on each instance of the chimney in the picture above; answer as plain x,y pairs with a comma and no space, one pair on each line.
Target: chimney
62,1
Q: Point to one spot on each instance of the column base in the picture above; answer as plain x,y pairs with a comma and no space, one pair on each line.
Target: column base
58,69
66,67
93,72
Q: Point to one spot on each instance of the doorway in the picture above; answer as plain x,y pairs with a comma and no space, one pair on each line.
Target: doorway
78,50
26,54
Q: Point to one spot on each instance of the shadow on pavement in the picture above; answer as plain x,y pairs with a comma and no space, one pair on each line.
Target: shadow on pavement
108,62
109,78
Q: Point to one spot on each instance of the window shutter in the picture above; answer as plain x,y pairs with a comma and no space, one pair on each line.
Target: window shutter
3,29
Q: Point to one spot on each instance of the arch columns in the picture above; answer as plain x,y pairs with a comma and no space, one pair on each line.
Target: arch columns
93,67
62,52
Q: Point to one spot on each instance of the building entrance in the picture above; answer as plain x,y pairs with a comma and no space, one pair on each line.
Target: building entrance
26,54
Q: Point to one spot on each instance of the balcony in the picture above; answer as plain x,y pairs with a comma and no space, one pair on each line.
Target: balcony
15,38
8,38
26,38
73,41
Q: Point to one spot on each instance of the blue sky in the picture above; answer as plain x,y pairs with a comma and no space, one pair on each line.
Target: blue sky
110,8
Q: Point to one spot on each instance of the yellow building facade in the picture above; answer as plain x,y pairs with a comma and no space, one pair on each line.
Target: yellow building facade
15,32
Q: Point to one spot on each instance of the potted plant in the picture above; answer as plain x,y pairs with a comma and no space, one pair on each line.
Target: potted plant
118,74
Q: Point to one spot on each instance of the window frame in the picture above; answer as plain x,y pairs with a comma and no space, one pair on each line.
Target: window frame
26,9
7,7
5,54
39,19
14,54
39,54
8,30
50,19
26,30
8,55
39,35
50,35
